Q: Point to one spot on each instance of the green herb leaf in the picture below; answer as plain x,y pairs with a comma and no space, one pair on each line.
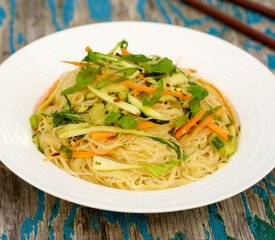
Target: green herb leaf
135,58
34,121
158,170
182,120
66,116
165,65
217,143
127,122
198,91
194,105
126,72
157,95
112,117
66,150
85,77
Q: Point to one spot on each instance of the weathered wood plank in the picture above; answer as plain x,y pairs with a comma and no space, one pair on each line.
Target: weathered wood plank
28,213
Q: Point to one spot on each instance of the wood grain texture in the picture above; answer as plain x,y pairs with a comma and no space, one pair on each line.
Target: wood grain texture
28,213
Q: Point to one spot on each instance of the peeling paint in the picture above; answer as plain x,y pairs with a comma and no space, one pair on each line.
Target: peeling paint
258,227
68,227
29,225
217,224
53,215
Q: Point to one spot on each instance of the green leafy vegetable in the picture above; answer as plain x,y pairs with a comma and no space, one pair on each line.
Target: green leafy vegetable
165,65
66,150
230,137
127,122
34,121
157,95
158,170
217,143
112,117
66,116
198,91
182,120
135,58
36,142
126,73
194,105
85,77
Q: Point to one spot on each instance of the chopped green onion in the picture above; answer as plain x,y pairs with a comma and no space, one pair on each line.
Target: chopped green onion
34,121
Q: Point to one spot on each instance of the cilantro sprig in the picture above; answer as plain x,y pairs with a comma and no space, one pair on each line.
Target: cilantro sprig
198,91
125,122
84,77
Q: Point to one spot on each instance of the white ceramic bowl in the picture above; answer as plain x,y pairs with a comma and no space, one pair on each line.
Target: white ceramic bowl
247,83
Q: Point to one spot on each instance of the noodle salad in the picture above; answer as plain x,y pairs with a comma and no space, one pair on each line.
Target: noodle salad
135,122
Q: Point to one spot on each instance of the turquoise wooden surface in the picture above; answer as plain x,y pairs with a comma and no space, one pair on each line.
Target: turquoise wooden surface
27,213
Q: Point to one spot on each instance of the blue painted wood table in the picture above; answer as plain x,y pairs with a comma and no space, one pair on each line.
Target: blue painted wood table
27,213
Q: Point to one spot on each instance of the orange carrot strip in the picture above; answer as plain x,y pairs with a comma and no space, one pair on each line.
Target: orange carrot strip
74,145
50,91
78,64
201,126
87,154
145,125
102,135
192,70
228,106
87,48
140,88
186,127
124,52
217,129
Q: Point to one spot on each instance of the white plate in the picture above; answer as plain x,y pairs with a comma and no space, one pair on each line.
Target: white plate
245,81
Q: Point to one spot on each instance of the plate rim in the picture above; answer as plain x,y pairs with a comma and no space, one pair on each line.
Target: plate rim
122,209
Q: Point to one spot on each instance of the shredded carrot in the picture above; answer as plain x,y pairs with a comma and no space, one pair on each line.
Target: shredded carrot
228,106
124,52
102,135
217,129
186,127
140,88
135,93
141,76
87,154
145,125
101,76
192,70
50,91
78,64
201,126
74,145
114,77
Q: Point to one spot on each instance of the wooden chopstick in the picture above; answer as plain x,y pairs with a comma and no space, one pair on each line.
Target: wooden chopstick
255,7
238,25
